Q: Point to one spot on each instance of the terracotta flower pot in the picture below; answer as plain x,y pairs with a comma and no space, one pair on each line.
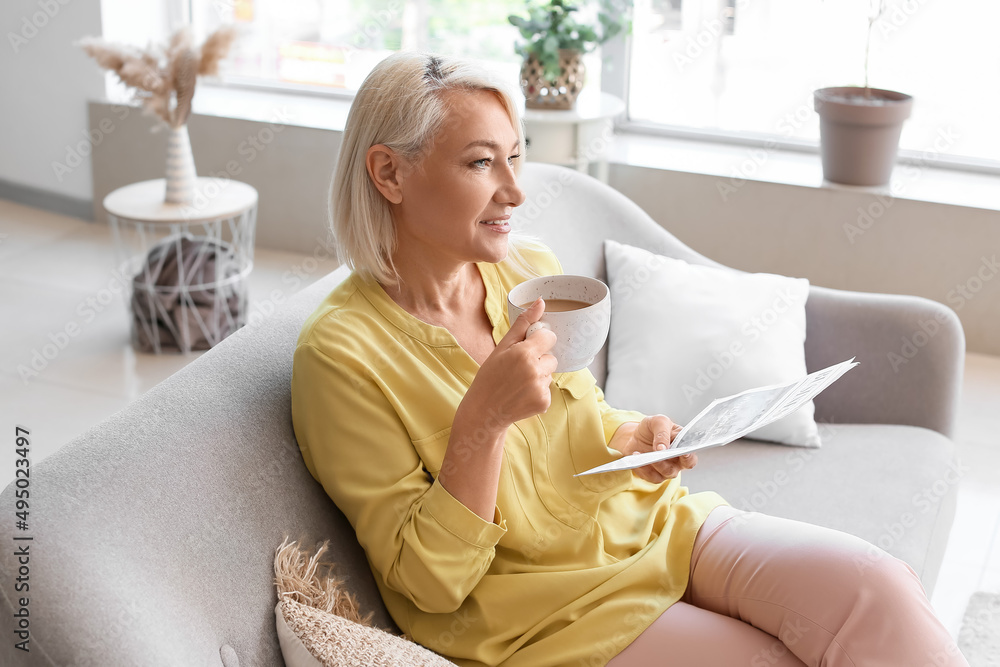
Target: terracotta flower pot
859,132
541,93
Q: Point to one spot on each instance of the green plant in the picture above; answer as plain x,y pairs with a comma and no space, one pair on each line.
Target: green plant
876,8
556,24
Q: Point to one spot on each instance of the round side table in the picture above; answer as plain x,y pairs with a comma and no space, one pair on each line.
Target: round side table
576,137
185,265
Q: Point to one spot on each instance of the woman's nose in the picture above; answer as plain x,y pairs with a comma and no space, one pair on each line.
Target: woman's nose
510,191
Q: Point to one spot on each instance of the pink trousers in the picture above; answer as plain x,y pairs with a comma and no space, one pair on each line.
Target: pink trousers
766,591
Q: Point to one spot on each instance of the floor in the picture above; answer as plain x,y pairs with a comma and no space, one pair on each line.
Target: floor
63,320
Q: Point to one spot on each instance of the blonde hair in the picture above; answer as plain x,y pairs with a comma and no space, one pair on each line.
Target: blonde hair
401,105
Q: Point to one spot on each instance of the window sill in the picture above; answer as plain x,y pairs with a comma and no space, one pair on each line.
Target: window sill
268,106
734,165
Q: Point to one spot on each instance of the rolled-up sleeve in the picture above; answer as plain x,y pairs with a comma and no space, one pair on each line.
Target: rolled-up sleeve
421,541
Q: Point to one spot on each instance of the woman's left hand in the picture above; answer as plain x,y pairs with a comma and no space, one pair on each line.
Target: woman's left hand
655,433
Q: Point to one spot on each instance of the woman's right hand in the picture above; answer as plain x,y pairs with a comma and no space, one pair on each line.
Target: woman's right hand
513,383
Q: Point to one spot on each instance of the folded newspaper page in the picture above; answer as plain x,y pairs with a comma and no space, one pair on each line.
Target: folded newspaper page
730,418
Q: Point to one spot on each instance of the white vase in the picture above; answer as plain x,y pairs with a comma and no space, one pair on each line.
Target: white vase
181,174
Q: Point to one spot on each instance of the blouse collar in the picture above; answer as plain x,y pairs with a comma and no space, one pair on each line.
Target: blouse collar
431,334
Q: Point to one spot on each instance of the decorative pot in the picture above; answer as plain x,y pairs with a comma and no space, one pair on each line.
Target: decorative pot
859,132
181,174
541,93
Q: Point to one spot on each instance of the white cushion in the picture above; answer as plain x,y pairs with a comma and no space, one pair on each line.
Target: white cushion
684,334
311,637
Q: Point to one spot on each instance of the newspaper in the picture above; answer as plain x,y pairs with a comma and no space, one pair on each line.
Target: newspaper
730,418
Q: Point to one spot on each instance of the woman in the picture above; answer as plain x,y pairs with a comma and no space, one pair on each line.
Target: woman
443,435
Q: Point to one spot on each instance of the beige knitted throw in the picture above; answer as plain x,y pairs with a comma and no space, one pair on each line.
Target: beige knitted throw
328,621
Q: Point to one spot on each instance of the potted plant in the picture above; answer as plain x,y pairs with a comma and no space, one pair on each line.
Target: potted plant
557,34
860,126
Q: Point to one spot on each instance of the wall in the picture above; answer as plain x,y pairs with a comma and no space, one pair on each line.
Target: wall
46,82
942,252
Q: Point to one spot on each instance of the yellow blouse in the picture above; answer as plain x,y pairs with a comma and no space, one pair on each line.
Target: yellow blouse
570,571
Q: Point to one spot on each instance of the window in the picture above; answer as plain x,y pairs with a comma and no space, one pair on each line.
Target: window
750,66
727,68
333,44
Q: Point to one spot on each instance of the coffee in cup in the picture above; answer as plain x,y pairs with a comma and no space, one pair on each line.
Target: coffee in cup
559,305
577,310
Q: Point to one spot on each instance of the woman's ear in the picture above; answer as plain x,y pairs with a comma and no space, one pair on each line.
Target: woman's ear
385,169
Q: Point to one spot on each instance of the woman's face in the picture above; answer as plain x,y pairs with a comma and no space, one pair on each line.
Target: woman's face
456,200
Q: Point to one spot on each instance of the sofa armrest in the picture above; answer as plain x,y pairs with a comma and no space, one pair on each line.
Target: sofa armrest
911,352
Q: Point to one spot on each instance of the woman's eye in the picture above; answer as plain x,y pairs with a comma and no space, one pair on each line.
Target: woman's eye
511,159
483,163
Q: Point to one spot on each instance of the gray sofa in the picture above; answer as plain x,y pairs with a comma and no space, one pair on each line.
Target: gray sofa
154,532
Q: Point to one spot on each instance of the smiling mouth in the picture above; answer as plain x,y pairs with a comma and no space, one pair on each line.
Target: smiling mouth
501,226
502,221
498,226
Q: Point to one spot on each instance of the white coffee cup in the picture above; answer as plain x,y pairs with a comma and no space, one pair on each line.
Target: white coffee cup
581,332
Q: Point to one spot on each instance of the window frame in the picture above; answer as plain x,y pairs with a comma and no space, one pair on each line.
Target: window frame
615,79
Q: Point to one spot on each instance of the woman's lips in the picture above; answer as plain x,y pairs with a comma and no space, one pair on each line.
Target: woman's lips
500,224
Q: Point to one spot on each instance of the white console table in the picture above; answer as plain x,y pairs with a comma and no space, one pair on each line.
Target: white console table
578,137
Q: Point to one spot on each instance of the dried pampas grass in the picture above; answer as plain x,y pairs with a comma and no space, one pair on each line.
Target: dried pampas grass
164,80
296,577
327,621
